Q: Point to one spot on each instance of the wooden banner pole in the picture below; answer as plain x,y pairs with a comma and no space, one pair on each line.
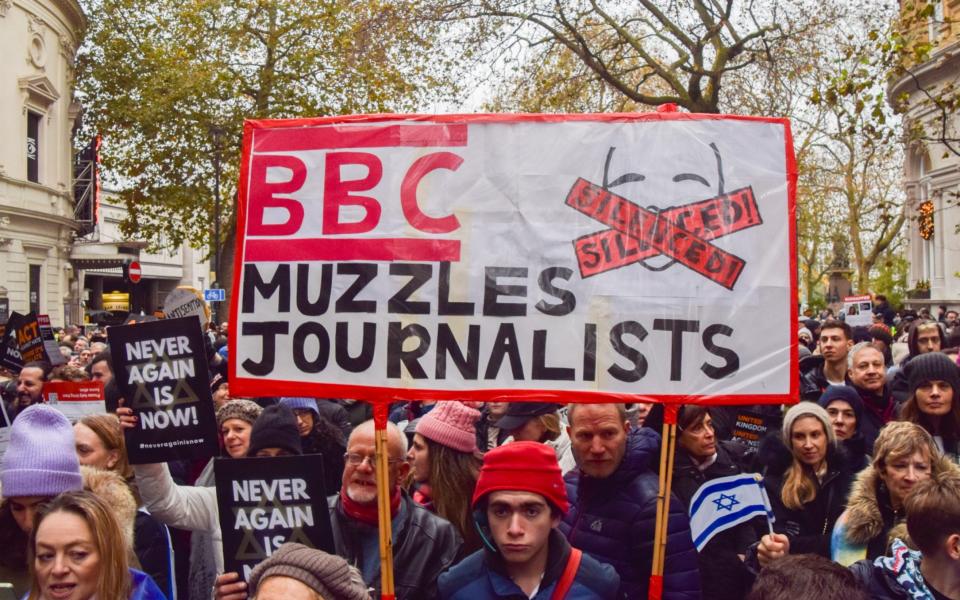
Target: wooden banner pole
383,501
668,441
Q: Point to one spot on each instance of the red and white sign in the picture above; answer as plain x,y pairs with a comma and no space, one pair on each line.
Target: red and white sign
75,399
542,257
133,272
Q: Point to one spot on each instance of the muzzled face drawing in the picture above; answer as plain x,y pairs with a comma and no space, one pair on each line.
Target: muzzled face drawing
659,180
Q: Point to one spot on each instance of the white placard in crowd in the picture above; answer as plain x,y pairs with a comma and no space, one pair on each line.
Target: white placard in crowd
858,310
554,257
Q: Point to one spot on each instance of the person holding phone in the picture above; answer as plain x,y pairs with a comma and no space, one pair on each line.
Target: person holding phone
518,503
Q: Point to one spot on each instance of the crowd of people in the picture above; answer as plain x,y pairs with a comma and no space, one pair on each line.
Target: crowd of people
513,500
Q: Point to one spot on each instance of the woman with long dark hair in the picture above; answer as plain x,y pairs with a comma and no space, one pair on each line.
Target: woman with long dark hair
933,402
701,457
445,464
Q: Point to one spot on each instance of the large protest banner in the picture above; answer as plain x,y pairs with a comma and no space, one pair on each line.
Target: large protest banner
265,502
567,257
160,368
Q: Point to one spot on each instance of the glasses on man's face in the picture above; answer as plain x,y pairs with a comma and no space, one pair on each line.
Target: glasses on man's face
355,460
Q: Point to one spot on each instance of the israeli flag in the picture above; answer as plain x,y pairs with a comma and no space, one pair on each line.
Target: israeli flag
723,503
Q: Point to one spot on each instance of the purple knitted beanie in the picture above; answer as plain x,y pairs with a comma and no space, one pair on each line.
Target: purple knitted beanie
41,459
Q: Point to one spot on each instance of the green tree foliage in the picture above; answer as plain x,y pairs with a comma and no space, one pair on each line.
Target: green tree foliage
891,278
156,77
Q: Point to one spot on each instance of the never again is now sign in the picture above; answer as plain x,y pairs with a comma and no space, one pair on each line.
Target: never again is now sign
562,257
160,368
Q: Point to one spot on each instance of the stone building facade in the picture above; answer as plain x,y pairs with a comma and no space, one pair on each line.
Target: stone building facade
37,116
932,166
60,254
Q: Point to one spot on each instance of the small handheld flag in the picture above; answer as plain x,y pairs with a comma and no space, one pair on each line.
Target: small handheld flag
725,502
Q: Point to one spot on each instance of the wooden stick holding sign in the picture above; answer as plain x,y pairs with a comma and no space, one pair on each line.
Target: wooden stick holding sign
655,591
383,501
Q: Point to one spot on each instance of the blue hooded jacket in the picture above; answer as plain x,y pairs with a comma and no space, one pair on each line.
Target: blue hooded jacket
613,519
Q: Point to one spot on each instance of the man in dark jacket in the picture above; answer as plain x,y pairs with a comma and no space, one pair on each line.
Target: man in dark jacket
518,503
613,495
933,522
828,367
424,545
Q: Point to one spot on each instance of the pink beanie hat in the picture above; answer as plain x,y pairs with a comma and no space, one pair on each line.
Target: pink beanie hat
451,424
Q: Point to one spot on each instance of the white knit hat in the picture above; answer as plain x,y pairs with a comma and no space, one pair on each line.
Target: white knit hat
806,409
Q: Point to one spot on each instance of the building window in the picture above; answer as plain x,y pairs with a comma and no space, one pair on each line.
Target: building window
935,20
34,289
33,147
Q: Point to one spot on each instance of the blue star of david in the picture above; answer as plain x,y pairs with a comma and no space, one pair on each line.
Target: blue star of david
725,502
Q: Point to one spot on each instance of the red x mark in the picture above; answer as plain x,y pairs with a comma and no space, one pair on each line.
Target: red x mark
681,233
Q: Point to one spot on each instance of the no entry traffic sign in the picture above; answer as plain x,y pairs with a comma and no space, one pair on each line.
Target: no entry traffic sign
133,272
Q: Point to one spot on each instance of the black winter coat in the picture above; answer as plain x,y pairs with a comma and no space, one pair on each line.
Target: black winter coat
612,520
151,544
878,410
809,528
812,379
327,440
424,545
723,574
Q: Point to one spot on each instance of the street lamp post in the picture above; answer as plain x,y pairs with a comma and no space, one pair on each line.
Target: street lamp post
217,134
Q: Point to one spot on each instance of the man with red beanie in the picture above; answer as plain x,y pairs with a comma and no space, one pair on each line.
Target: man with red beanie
518,503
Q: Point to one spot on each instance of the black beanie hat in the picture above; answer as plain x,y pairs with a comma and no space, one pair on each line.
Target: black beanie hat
276,427
932,366
846,394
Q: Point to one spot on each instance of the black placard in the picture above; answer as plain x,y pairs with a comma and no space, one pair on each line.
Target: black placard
9,345
51,349
751,426
265,502
30,339
161,372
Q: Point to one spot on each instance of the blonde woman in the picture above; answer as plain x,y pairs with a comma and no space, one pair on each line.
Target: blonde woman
807,484
100,445
77,551
904,455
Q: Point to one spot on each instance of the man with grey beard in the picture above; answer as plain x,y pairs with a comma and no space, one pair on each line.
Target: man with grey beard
424,545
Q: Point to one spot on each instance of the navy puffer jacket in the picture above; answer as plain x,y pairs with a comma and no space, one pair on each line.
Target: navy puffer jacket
613,519
483,576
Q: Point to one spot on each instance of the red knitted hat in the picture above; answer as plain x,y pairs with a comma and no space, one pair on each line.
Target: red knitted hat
452,424
525,467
